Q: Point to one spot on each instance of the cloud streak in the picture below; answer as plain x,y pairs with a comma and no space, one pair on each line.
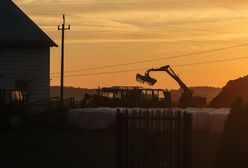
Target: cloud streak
141,20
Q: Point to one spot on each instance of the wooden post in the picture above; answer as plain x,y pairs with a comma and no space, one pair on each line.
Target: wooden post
62,28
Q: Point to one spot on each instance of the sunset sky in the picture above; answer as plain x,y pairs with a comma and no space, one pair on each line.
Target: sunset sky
110,32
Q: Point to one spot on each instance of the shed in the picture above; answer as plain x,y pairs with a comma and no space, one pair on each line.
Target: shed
24,53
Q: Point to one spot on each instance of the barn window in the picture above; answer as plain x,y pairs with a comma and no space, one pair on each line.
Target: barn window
23,85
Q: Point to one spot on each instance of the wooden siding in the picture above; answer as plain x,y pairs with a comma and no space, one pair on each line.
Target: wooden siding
26,64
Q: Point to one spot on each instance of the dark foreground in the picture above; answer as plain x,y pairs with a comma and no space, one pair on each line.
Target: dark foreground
52,149
77,148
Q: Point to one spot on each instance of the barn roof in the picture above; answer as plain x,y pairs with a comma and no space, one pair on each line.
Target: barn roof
17,29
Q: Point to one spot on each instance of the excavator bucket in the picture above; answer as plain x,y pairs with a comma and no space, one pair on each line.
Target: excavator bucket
145,79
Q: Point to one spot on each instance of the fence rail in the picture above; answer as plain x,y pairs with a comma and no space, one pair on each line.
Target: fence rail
48,111
49,105
153,139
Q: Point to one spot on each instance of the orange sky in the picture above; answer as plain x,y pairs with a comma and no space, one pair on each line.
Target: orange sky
108,32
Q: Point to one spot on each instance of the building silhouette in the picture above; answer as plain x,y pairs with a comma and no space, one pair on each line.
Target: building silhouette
24,53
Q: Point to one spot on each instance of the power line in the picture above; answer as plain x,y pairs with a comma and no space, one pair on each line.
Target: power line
210,62
101,73
135,70
157,59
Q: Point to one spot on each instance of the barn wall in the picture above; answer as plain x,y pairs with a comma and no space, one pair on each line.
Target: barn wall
26,64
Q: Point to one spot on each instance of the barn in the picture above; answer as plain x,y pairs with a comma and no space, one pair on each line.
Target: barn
24,53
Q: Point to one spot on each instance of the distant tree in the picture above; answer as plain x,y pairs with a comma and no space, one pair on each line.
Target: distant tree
233,150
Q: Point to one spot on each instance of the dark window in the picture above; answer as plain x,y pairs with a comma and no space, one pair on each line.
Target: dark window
4,97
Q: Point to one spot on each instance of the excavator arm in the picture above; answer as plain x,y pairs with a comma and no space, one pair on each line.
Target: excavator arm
151,81
187,99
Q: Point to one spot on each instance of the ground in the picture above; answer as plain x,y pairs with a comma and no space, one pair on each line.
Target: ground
58,149
89,149
205,149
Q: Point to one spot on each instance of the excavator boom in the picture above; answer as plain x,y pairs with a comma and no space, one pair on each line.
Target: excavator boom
151,81
186,99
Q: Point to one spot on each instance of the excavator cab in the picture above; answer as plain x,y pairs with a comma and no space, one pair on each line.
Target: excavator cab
116,96
128,96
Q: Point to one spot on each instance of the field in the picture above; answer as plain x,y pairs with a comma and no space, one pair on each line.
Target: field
77,148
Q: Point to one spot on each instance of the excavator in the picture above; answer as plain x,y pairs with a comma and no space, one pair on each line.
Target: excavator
187,99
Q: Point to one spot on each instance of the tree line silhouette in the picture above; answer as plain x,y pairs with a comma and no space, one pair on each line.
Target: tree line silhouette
233,151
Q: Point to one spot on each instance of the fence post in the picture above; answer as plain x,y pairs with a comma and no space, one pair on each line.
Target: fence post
119,139
187,137
153,139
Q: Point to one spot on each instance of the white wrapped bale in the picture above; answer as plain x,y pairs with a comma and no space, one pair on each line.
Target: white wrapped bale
91,118
209,119
204,119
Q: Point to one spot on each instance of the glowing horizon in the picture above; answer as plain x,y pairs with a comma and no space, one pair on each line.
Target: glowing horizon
107,32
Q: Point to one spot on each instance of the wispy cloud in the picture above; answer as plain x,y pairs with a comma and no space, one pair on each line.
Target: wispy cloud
109,20
117,5
106,32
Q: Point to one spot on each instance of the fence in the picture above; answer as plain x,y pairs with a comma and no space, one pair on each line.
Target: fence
43,105
48,111
50,104
153,139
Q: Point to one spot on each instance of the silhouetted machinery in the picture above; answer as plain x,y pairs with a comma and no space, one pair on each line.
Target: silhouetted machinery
13,108
127,96
187,99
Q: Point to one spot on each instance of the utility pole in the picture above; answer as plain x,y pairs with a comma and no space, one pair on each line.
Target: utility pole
62,28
